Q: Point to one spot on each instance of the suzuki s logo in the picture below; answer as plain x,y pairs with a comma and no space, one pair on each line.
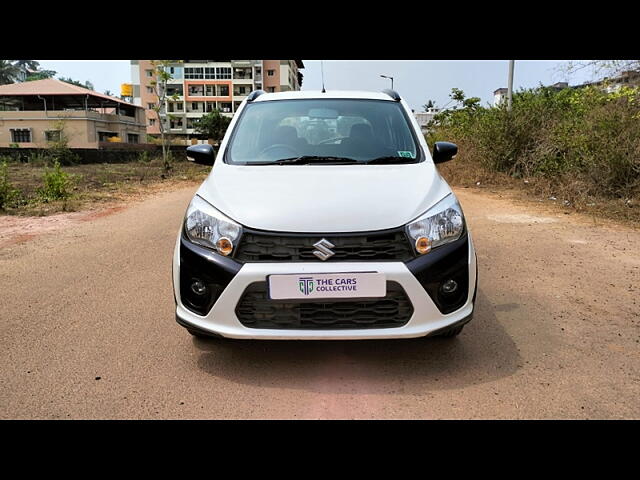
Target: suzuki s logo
306,285
323,247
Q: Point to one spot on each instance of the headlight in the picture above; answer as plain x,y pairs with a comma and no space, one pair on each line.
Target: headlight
443,223
208,227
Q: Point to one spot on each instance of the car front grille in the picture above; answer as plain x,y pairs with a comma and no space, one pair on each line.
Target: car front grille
267,247
256,310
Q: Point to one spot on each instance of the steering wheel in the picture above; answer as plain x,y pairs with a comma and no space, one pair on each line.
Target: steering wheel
328,140
278,145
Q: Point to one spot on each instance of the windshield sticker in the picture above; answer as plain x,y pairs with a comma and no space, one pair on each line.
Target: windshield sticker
405,154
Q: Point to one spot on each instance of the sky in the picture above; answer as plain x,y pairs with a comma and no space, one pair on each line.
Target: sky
416,80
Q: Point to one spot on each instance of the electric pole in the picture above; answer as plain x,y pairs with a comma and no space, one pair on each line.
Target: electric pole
510,88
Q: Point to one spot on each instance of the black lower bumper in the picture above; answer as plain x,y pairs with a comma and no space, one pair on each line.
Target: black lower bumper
444,263
197,264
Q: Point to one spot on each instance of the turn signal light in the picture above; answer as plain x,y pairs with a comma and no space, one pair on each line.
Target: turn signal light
423,245
224,246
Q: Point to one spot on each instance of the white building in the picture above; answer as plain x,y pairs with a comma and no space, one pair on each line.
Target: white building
500,96
424,118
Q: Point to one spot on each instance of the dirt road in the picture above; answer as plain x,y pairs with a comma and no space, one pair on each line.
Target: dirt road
87,331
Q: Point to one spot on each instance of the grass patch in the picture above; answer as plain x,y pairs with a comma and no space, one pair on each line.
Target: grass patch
45,190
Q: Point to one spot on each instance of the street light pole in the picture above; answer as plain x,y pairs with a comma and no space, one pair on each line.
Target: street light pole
510,89
390,78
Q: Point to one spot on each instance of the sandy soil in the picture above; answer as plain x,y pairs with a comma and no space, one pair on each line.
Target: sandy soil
88,329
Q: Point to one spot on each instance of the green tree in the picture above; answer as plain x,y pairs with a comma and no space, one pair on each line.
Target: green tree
601,67
26,65
87,84
40,75
213,125
428,105
8,72
159,84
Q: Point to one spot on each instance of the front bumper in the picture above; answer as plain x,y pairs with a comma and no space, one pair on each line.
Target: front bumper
426,319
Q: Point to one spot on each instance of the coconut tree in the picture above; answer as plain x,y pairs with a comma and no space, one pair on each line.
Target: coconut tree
25,65
8,72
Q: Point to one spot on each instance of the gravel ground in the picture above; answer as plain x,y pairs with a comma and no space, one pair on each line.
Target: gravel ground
88,329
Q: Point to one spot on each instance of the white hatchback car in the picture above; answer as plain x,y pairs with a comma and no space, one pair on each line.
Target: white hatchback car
324,217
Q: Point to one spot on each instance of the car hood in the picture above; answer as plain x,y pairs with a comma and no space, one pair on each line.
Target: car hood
323,198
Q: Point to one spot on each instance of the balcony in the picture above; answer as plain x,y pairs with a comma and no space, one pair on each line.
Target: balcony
242,74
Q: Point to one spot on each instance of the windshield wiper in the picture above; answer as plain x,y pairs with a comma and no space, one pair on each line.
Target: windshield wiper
391,159
311,159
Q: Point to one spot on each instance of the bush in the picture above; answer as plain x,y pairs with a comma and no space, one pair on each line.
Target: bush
144,157
8,194
581,136
57,184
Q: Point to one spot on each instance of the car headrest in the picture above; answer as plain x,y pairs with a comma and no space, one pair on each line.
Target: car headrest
285,134
361,131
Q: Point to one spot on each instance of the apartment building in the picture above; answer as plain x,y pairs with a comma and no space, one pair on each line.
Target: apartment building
200,86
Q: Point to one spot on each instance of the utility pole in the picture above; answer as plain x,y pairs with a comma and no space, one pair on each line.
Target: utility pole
510,88
390,78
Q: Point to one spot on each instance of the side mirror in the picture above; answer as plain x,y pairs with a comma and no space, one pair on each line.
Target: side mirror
444,151
202,154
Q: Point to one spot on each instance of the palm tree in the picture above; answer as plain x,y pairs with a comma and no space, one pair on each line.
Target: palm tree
27,64
8,72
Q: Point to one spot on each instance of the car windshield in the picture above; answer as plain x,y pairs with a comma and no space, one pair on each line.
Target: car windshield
335,131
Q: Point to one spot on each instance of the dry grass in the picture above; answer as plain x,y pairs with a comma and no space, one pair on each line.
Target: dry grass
98,183
566,192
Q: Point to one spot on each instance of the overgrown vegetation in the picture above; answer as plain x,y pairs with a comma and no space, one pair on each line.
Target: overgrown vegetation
8,193
581,145
38,188
58,184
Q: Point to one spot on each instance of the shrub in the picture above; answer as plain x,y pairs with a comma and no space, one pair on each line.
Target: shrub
144,157
57,184
8,194
581,136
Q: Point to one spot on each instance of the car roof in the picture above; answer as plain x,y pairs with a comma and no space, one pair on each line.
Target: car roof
308,94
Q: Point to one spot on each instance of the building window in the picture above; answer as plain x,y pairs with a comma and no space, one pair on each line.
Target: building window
223,73
271,89
149,73
210,73
223,90
105,136
133,138
271,73
52,135
193,73
210,90
21,135
152,122
151,106
150,90
196,90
